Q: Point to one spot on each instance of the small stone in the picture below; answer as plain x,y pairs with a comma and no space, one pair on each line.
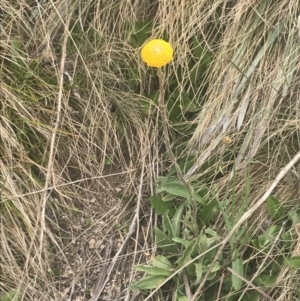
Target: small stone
92,243
227,140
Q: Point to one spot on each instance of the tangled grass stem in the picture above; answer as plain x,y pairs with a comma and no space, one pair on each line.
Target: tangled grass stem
164,117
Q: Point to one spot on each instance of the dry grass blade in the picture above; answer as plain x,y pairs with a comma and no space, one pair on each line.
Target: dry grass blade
255,69
87,112
50,173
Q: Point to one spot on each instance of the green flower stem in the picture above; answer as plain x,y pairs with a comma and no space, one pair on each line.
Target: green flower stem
164,117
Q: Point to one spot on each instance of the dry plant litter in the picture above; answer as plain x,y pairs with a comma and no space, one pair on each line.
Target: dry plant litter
81,146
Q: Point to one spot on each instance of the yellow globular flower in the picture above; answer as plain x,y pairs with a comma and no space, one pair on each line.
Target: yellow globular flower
157,53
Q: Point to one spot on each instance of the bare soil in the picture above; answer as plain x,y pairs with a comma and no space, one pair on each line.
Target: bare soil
96,235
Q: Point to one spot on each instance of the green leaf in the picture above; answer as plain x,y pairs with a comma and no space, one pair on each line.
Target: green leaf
212,232
141,33
18,59
159,206
176,220
183,298
216,267
188,104
17,48
175,189
178,295
180,190
207,212
265,280
162,262
293,262
15,45
198,198
251,296
214,270
237,266
190,226
163,241
28,75
200,61
197,48
152,270
168,197
254,243
275,208
186,256
203,243
263,241
149,282
182,241
287,239
167,224
12,295
294,216
162,180
201,53
211,276
203,192
173,108
273,230
199,272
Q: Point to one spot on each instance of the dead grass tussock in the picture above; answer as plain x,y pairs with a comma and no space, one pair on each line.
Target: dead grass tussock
254,78
253,94
99,119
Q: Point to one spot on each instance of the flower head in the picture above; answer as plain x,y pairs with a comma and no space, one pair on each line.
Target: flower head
157,53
